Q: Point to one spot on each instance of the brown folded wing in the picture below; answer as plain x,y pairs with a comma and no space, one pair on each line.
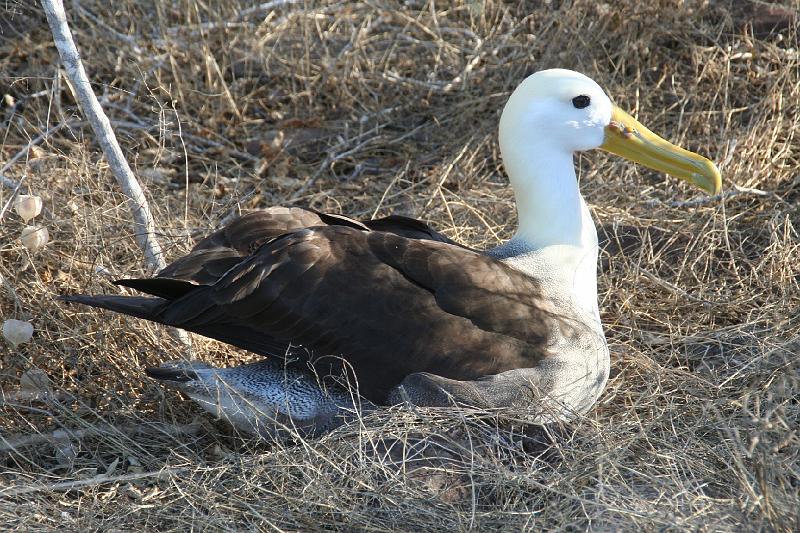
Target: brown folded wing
386,298
220,251
388,305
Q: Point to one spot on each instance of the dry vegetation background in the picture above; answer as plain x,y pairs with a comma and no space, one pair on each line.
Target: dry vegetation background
368,108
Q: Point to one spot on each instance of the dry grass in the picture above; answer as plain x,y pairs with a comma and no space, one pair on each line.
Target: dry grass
377,107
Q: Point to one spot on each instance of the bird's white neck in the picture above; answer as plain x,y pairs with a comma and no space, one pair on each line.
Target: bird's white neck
549,205
556,240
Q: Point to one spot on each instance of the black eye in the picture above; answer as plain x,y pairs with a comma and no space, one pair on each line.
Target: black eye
581,101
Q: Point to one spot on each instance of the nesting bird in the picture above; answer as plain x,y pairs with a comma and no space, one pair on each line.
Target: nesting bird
404,312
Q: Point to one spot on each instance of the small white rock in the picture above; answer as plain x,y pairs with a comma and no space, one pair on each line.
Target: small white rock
34,237
17,331
64,448
35,380
103,271
28,206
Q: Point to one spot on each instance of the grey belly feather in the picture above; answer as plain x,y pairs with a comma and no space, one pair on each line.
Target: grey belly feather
266,398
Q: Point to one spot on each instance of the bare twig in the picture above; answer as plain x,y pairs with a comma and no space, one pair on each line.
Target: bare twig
677,290
10,398
143,219
264,8
11,443
91,482
332,157
128,39
706,199
259,10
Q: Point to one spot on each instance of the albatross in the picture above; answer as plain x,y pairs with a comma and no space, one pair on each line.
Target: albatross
398,310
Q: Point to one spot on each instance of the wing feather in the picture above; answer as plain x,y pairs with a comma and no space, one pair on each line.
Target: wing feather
225,248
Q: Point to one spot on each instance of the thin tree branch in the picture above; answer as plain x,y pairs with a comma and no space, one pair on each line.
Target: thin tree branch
144,227
13,443
62,486
265,7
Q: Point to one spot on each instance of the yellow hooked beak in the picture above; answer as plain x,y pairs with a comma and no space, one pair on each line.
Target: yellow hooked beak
626,137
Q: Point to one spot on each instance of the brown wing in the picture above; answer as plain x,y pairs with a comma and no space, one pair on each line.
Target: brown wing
408,227
223,249
389,305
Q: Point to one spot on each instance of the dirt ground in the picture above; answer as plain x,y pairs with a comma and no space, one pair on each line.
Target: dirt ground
368,108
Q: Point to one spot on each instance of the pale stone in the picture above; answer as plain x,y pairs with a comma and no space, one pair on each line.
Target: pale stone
28,206
34,237
17,331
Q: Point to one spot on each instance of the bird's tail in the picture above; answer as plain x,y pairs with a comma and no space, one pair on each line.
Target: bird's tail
156,309
144,307
164,290
174,373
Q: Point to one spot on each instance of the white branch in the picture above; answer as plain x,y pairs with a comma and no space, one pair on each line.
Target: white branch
143,219
13,443
266,7
62,486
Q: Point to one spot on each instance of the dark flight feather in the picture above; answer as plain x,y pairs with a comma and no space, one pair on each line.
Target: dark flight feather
169,289
177,375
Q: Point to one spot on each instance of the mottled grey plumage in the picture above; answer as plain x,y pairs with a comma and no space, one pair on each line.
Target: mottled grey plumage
267,398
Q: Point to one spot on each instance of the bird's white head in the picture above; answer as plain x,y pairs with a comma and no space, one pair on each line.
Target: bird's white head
561,108
554,113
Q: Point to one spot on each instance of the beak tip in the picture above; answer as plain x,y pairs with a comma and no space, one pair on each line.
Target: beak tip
714,184
650,150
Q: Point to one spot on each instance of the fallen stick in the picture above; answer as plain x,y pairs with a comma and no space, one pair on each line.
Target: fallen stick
144,227
12,443
12,492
